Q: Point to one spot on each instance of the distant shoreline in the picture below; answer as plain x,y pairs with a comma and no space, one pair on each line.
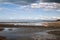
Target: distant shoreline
27,24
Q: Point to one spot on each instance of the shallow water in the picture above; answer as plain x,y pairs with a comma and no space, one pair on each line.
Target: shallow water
26,33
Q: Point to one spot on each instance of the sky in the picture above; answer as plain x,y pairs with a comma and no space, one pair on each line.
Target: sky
29,9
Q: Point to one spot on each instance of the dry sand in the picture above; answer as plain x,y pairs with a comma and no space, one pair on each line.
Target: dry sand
52,24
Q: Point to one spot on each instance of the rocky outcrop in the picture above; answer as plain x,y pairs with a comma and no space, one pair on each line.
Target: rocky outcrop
3,38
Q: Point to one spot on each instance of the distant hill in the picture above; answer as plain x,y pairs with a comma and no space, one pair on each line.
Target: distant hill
27,20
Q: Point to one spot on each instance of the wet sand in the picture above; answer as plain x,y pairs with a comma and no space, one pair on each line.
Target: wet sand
56,33
23,32
30,33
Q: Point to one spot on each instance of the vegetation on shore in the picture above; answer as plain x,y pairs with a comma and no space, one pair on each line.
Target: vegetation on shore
58,19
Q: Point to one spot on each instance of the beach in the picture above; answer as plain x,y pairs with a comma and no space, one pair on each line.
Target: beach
31,32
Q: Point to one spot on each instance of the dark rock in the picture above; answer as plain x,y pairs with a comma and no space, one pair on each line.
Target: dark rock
58,20
3,38
2,29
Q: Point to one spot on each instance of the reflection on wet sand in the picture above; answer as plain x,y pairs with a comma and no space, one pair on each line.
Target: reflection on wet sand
29,34
43,36
56,33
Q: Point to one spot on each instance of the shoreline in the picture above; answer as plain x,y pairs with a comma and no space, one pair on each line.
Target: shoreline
42,24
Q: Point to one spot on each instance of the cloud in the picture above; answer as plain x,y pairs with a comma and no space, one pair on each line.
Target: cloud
55,17
46,5
29,1
5,9
56,1
1,8
20,2
58,10
46,18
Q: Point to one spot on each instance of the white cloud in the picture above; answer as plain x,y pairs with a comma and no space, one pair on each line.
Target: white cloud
7,3
36,18
46,5
46,18
22,7
58,10
18,6
55,17
2,8
41,4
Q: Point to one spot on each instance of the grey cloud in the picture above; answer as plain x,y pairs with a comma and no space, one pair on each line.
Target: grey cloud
21,2
25,2
55,4
56,1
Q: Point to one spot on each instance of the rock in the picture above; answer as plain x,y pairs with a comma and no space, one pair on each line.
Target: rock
2,29
3,38
58,20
